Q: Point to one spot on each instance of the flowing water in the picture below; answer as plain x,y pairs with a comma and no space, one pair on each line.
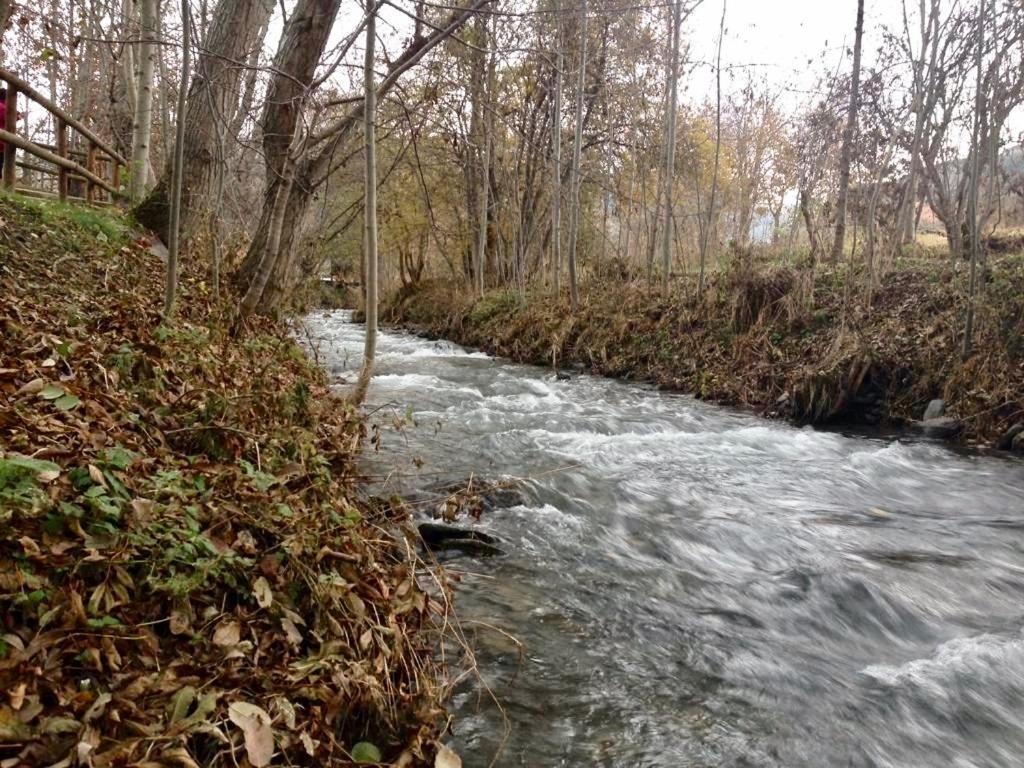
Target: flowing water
694,586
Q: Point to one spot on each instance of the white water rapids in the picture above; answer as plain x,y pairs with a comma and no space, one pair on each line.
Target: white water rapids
699,587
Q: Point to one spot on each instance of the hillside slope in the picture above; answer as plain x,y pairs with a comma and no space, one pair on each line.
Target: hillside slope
187,573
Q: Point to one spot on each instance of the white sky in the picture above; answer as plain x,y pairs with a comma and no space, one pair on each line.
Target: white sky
791,42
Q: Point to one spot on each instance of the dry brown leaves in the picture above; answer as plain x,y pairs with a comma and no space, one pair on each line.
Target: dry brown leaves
187,576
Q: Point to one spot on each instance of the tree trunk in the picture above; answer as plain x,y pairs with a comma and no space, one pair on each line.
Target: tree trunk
212,97
718,152
6,6
577,147
846,154
974,223
675,15
556,158
177,172
481,105
314,169
369,212
143,124
906,220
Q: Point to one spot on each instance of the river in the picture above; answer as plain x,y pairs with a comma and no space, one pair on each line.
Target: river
694,586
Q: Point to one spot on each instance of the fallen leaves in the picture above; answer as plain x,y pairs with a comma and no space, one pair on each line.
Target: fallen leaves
259,736
447,758
228,633
166,497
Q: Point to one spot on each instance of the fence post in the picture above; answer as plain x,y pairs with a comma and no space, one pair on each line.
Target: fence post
11,126
117,177
62,150
90,165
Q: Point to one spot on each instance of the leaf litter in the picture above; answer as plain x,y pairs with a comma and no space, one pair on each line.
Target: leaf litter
188,574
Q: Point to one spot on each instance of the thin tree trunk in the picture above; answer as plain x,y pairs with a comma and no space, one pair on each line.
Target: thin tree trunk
556,158
369,210
972,202
906,221
718,154
846,154
178,168
165,110
266,266
143,123
670,144
577,147
484,150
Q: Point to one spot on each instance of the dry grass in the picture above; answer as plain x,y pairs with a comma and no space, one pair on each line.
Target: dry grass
773,340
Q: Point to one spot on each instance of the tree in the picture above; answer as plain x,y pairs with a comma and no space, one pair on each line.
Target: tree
577,148
143,124
846,155
924,72
669,172
718,154
324,153
212,98
972,208
177,169
556,156
369,209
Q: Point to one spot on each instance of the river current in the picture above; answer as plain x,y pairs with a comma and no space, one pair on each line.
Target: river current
690,585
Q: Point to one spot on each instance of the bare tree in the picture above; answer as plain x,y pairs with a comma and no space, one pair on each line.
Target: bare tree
846,155
924,73
575,180
369,209
178,168
669,173
974,222
212,98
718,154
556,156
143,124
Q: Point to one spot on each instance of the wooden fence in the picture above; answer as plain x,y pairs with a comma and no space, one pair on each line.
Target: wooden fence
91,171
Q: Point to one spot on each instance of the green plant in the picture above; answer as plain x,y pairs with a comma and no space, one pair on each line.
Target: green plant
492,305
20,484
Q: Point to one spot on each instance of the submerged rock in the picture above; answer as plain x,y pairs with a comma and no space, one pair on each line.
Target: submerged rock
936,410
1010,440
474,494
440,537
942,427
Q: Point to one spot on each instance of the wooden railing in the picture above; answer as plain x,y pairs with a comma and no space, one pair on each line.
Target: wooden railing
101,172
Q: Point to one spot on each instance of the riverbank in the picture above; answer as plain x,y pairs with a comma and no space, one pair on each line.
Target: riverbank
189,573
774,342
